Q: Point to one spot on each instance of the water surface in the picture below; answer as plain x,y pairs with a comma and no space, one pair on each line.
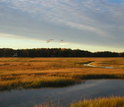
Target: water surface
64,96
90,64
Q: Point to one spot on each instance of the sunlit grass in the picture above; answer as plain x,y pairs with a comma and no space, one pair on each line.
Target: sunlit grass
98,102
111,63
101,102
36,82
16,73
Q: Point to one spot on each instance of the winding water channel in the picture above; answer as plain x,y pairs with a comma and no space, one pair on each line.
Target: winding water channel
90,64
64,96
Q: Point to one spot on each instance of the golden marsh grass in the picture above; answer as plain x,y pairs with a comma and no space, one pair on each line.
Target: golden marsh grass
16,73
98,102
101,102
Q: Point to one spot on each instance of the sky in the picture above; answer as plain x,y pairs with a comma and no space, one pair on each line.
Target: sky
94,25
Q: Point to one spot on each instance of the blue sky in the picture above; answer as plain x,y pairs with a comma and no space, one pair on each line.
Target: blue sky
94,25
116,1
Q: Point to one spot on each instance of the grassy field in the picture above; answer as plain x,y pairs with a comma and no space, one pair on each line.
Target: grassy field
101,102
17,73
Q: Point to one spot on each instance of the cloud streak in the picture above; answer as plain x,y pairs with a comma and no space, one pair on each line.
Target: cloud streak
99,21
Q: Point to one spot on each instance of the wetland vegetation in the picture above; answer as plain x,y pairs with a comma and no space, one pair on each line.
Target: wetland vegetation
101,102
98,102
18,73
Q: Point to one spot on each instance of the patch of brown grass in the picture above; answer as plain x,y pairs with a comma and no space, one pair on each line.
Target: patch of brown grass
98,102
101,102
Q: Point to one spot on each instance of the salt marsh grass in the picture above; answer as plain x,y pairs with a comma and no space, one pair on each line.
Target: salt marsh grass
16,73
101,102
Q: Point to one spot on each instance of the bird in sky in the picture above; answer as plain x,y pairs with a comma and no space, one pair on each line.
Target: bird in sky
61,40
50,40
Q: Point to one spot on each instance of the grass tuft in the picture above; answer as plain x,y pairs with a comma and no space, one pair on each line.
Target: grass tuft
101,102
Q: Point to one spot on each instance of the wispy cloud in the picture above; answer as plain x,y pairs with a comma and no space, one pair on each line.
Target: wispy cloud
84,27
101,19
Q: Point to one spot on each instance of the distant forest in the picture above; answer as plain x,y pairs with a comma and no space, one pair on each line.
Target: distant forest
55,52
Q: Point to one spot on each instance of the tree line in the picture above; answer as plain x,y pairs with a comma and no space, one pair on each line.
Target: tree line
55,52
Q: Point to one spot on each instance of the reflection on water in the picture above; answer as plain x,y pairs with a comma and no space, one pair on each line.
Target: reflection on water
65,96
